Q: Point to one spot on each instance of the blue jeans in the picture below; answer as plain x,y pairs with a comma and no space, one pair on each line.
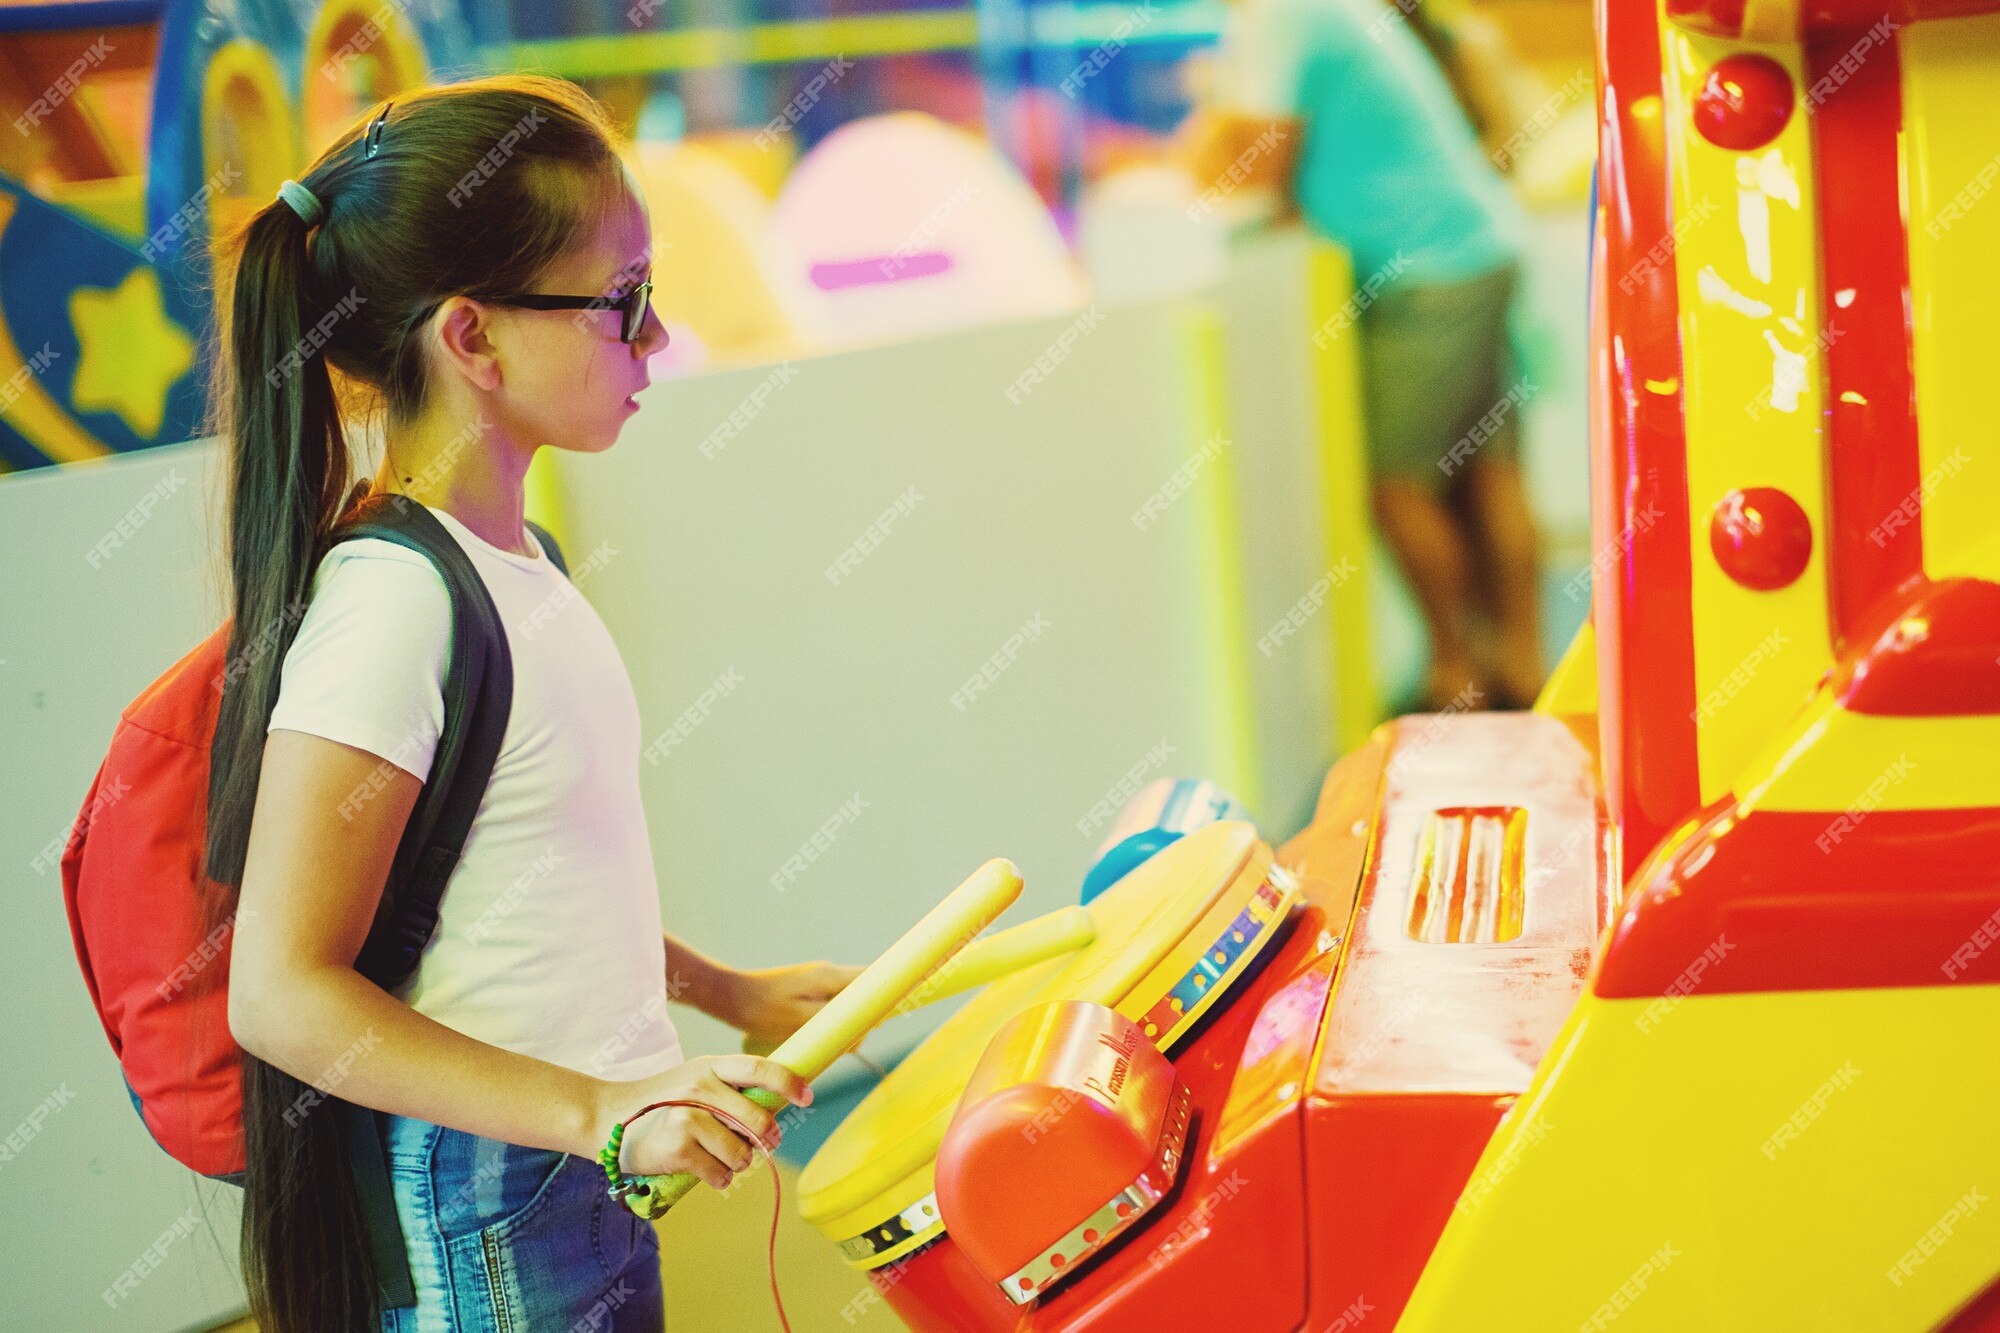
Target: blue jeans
505,1239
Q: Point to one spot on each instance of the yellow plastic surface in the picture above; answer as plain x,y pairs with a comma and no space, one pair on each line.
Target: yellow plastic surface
1746,258
1357,704
1852,1131
879,1161
1952,143
1571,689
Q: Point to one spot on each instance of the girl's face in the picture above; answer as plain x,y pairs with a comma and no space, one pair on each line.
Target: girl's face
569,381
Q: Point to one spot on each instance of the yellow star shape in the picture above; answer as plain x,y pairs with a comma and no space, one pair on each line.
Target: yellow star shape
132,351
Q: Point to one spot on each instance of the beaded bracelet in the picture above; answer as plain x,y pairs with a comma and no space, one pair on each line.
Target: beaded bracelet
651,1196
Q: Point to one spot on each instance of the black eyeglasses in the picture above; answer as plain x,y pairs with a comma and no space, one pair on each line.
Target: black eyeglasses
631,307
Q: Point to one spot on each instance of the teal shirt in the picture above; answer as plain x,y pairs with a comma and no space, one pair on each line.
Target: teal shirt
1388,165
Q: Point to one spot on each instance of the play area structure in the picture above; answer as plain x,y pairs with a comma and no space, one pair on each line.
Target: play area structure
1659,1005
1664,1004
147,129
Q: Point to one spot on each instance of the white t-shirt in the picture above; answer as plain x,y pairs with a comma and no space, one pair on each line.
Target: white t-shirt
549,935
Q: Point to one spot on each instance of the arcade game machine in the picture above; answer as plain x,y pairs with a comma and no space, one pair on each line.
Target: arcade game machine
1665,1004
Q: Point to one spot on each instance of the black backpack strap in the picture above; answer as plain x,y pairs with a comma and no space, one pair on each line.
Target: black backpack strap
549,545
478,695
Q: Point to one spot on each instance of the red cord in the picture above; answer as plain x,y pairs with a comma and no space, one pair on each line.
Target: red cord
777,1184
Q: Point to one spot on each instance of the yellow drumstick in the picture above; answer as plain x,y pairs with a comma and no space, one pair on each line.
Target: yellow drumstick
1062,931
865,1001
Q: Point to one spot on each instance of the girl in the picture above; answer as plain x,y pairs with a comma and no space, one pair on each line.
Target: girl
410,260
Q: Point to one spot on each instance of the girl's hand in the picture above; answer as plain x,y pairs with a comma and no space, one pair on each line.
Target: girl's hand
685,1138
770,1004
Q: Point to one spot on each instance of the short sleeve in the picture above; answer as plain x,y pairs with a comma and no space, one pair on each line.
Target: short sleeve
368,664
1260,65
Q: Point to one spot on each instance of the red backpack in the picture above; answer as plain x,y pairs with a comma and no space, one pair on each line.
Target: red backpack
132,871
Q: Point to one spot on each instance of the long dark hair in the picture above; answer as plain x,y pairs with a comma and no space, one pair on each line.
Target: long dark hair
472,188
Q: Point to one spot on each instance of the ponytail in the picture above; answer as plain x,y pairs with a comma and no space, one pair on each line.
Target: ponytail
302,1217
349,294
288,472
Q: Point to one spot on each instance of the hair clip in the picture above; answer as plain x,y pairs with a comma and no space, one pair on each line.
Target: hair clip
372,141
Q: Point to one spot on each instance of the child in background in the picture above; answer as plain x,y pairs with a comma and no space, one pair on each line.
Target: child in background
537,1018
1379,156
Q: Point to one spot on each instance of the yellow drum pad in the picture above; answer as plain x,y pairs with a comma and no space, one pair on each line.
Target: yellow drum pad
1171,937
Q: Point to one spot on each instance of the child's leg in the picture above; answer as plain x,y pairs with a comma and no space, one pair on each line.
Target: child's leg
1510,552
1424,394
1427,544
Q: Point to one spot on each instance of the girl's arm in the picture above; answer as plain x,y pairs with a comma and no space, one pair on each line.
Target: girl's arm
769,1002
319,853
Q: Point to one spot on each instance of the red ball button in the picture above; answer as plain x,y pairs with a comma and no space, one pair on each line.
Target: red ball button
1744,102
1761,538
